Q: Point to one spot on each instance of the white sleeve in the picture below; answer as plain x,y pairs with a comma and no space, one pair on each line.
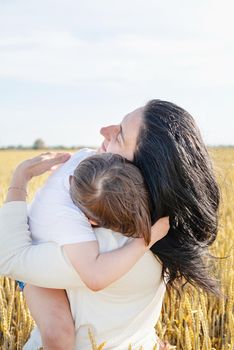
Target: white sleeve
45,265
72,226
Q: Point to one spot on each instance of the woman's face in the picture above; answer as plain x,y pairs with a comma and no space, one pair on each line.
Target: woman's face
121,139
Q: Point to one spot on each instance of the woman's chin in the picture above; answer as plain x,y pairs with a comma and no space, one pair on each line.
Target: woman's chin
101,149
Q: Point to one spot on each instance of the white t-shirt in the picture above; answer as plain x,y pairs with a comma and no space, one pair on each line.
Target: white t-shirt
52,214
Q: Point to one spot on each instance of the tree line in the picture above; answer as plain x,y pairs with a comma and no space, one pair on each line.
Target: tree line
39,144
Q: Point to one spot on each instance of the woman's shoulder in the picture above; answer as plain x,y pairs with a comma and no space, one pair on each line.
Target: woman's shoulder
145,275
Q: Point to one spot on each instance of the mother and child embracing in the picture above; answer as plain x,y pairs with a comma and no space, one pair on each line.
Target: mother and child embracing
111,230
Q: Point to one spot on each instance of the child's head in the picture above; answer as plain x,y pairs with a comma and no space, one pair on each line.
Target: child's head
110,190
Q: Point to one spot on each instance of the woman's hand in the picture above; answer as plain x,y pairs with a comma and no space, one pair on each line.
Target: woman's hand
40,164
159,230
29,168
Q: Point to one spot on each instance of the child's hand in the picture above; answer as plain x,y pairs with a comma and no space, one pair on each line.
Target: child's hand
159,230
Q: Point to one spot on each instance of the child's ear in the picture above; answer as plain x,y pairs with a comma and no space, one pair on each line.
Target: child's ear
92,222
70,179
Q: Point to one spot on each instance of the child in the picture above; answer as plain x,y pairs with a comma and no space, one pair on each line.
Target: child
104,190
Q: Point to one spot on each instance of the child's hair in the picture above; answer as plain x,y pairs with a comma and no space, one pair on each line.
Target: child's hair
110,190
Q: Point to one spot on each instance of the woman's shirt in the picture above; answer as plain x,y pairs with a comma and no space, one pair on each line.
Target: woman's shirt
125,312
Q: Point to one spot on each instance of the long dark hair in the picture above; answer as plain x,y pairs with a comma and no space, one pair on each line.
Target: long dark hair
178,173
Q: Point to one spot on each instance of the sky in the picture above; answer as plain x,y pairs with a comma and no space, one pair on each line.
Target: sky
69,67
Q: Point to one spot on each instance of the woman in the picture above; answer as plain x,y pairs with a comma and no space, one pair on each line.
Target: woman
164,142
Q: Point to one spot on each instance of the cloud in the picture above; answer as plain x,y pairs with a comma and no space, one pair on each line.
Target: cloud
106,51
61,58
119,42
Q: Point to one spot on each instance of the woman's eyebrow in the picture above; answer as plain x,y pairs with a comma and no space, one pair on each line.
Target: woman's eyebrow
121,133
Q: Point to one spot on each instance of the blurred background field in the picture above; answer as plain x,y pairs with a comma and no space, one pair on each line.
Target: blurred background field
197,322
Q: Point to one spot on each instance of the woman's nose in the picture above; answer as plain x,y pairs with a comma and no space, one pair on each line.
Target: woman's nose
109,131
103,131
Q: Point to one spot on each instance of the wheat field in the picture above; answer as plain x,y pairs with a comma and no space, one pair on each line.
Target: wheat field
197,322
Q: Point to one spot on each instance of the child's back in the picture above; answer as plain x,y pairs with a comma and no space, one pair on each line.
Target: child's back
53,212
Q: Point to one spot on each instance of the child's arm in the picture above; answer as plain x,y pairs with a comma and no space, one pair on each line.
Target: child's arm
99,270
